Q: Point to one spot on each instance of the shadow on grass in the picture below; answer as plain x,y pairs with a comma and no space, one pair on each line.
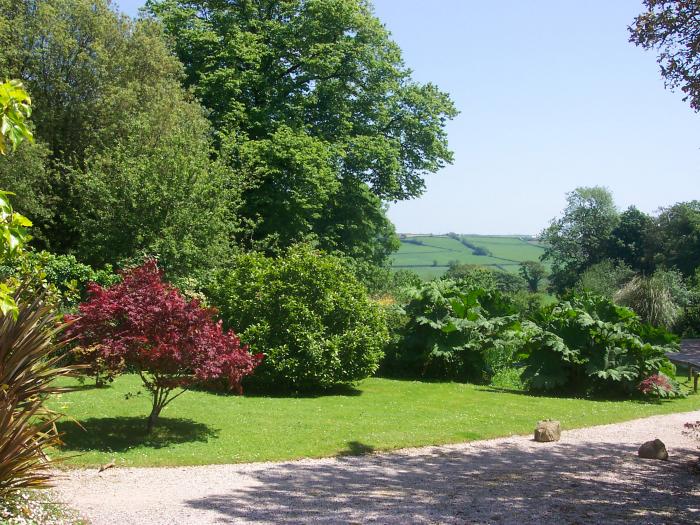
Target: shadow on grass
337,391
253,390
118,434
568,395
356,448
82,387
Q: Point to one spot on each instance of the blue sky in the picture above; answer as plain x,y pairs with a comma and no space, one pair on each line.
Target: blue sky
552,96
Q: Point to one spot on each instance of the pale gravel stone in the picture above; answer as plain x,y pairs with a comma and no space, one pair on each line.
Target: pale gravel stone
593,475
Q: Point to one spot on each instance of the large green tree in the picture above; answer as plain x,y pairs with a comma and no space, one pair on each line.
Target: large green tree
672,27
157,191
579,238
126,164
533,272
677,237
324,78
630,240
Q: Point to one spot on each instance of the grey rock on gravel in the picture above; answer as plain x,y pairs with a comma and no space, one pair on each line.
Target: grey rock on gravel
548,431
653,450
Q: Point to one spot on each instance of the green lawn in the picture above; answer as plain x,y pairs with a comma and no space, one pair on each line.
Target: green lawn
203,428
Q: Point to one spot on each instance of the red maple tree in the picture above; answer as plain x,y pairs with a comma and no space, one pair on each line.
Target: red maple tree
145,324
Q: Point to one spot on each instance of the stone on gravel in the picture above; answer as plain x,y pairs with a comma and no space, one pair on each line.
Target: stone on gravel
653,450
547,431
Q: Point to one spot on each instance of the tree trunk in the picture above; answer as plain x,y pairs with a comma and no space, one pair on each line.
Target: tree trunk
153,418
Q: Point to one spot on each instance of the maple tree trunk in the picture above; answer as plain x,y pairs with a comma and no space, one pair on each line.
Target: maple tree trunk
160,397
153,418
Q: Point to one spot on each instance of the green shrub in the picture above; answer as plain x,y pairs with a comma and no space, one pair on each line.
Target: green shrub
471,275
382,281
69,277
476,276
528,303
454,331
307,312
508,378
605,278
588,344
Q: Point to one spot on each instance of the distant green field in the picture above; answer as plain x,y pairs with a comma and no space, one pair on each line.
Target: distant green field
430,255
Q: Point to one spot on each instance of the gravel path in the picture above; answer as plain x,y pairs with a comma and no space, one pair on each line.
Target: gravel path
591,476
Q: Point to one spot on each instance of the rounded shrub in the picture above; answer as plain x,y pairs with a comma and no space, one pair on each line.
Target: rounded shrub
307,313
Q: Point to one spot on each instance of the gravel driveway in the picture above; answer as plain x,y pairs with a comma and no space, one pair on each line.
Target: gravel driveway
591,476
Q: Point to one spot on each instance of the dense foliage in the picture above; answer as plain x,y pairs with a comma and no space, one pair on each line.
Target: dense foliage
146,325
676,239
591,231
644,261
124,163
588,344
64,274
578,238
309,315
481,277
324,115
605,278
629,244
312,124
454,331
533,272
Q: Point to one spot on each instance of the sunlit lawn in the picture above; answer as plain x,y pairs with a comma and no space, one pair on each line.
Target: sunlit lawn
204,428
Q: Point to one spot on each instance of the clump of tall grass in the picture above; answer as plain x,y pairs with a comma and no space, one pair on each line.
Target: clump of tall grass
658,299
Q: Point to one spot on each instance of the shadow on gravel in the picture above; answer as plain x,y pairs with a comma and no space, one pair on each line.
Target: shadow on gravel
554,483
117,434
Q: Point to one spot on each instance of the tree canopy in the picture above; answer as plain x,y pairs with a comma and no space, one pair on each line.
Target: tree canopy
677,237
207,126
125,163
594,247
629,240
326,68
672,27
578,238
320,110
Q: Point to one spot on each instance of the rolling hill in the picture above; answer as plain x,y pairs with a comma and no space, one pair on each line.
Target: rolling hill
430,255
